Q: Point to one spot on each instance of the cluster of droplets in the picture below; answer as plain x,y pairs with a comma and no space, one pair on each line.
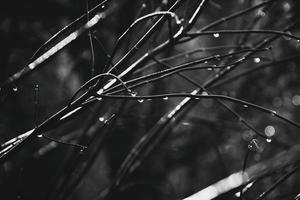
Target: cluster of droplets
255,146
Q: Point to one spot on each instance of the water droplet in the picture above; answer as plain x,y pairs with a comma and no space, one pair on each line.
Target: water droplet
40,136
15,88
141,100
269,140
228,68
298,41
205,62
144,5
165,98
257,60
238,194
270,131
101,119
204,93
103,6
218,57
216,35
287,37
254,145
133,93
245,106
209,69
273,113
82,150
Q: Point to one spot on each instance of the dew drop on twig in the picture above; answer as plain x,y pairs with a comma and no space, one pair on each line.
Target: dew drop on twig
165,98
257,60
101,119
133,93
287,37
269,140
218,57
15,88
140,100
273,113
216,35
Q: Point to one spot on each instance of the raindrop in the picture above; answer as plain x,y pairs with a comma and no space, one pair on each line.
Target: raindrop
15,88
273,113
40,136
205,62
165,98
298,41
254,145
218,57
228,68
133,93
257,60
144,5
238,194
141,100
103,6
245,106
101,119
210,69
216,35
269,140
287,37
82,150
